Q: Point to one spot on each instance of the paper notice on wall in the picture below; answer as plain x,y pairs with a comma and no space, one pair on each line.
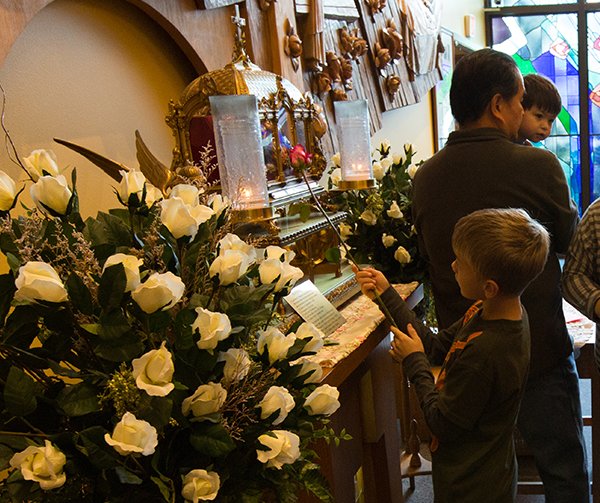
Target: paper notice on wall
312,306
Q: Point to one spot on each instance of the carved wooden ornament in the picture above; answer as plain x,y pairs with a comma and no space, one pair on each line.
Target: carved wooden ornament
292,45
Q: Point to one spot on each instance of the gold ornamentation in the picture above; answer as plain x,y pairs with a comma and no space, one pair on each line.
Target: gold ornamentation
392,84
347,71
393,40
376,6
351,45
382,56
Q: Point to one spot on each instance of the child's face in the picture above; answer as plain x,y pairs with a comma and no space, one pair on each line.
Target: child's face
536,124
470,283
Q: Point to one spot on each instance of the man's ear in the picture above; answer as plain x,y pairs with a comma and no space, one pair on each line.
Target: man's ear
496,106
490,289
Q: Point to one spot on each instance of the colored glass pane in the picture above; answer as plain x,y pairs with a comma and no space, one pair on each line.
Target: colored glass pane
548,45
593,57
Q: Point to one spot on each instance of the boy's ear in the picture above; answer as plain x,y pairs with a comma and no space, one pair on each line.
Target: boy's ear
490,289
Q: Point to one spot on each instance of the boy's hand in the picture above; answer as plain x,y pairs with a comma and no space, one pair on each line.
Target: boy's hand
371,281
404,345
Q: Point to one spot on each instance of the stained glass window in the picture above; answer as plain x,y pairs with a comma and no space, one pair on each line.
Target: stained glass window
548,45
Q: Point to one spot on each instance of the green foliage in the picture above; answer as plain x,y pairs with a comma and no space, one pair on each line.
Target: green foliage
67,366
379,230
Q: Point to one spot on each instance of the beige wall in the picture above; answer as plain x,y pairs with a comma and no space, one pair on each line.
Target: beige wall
92,73
412,124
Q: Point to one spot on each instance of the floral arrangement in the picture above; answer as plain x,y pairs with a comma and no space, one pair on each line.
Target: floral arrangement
379,229
142,356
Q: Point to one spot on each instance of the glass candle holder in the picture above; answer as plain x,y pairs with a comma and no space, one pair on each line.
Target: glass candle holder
240,155
352,119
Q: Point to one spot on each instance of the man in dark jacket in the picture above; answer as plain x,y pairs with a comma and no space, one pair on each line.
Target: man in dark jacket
481,166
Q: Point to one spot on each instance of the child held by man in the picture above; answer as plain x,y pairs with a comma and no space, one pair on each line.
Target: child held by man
541,105
472,409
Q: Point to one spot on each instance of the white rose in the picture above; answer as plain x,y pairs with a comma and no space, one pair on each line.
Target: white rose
283,447
153,371
218,203
132,184
182,219
312,335
388,240
40,163
233,242
336,176
189,194
386,163
206,400
368,217
213,327
322,401
237,365
385,145
8,191
312,370
402,255
200,485
412,170
132,435
153,194
159,291
43,465
51,193
279,253
397,158
279,399
275,342
39,281
230,266
345,230
378,171
131,264
336,159
272,269
395,211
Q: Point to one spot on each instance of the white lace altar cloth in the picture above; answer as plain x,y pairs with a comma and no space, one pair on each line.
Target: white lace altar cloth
362,317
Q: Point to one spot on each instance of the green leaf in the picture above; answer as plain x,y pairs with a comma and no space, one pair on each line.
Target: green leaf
123,349
91,443
79,399
212,440
7,291
113,326
19,393
80,296
155,410
127,477
112,287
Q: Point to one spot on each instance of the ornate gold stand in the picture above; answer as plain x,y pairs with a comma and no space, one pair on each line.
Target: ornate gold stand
356,184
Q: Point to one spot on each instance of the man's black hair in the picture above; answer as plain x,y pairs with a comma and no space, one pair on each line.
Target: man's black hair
477,78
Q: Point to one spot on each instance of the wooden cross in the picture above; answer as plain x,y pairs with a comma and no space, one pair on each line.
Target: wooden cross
239,22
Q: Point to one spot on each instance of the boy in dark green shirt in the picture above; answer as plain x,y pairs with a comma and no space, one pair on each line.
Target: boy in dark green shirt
472,408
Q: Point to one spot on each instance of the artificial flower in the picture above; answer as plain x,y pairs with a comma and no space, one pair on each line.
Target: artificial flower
133,436
43,465
159,292
212,327
41,163
51,194
282,448
38,281
323,400
8,192
402,255
395,211
278,399
237,364
200,485
206,400
275,343
131,264
153,371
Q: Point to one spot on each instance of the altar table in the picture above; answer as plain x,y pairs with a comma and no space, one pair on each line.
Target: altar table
366,468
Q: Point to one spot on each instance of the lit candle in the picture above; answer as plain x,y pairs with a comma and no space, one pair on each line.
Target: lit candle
239,151
352,118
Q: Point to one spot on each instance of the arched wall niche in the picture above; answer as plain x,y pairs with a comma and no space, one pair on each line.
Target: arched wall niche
139,58
182,20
